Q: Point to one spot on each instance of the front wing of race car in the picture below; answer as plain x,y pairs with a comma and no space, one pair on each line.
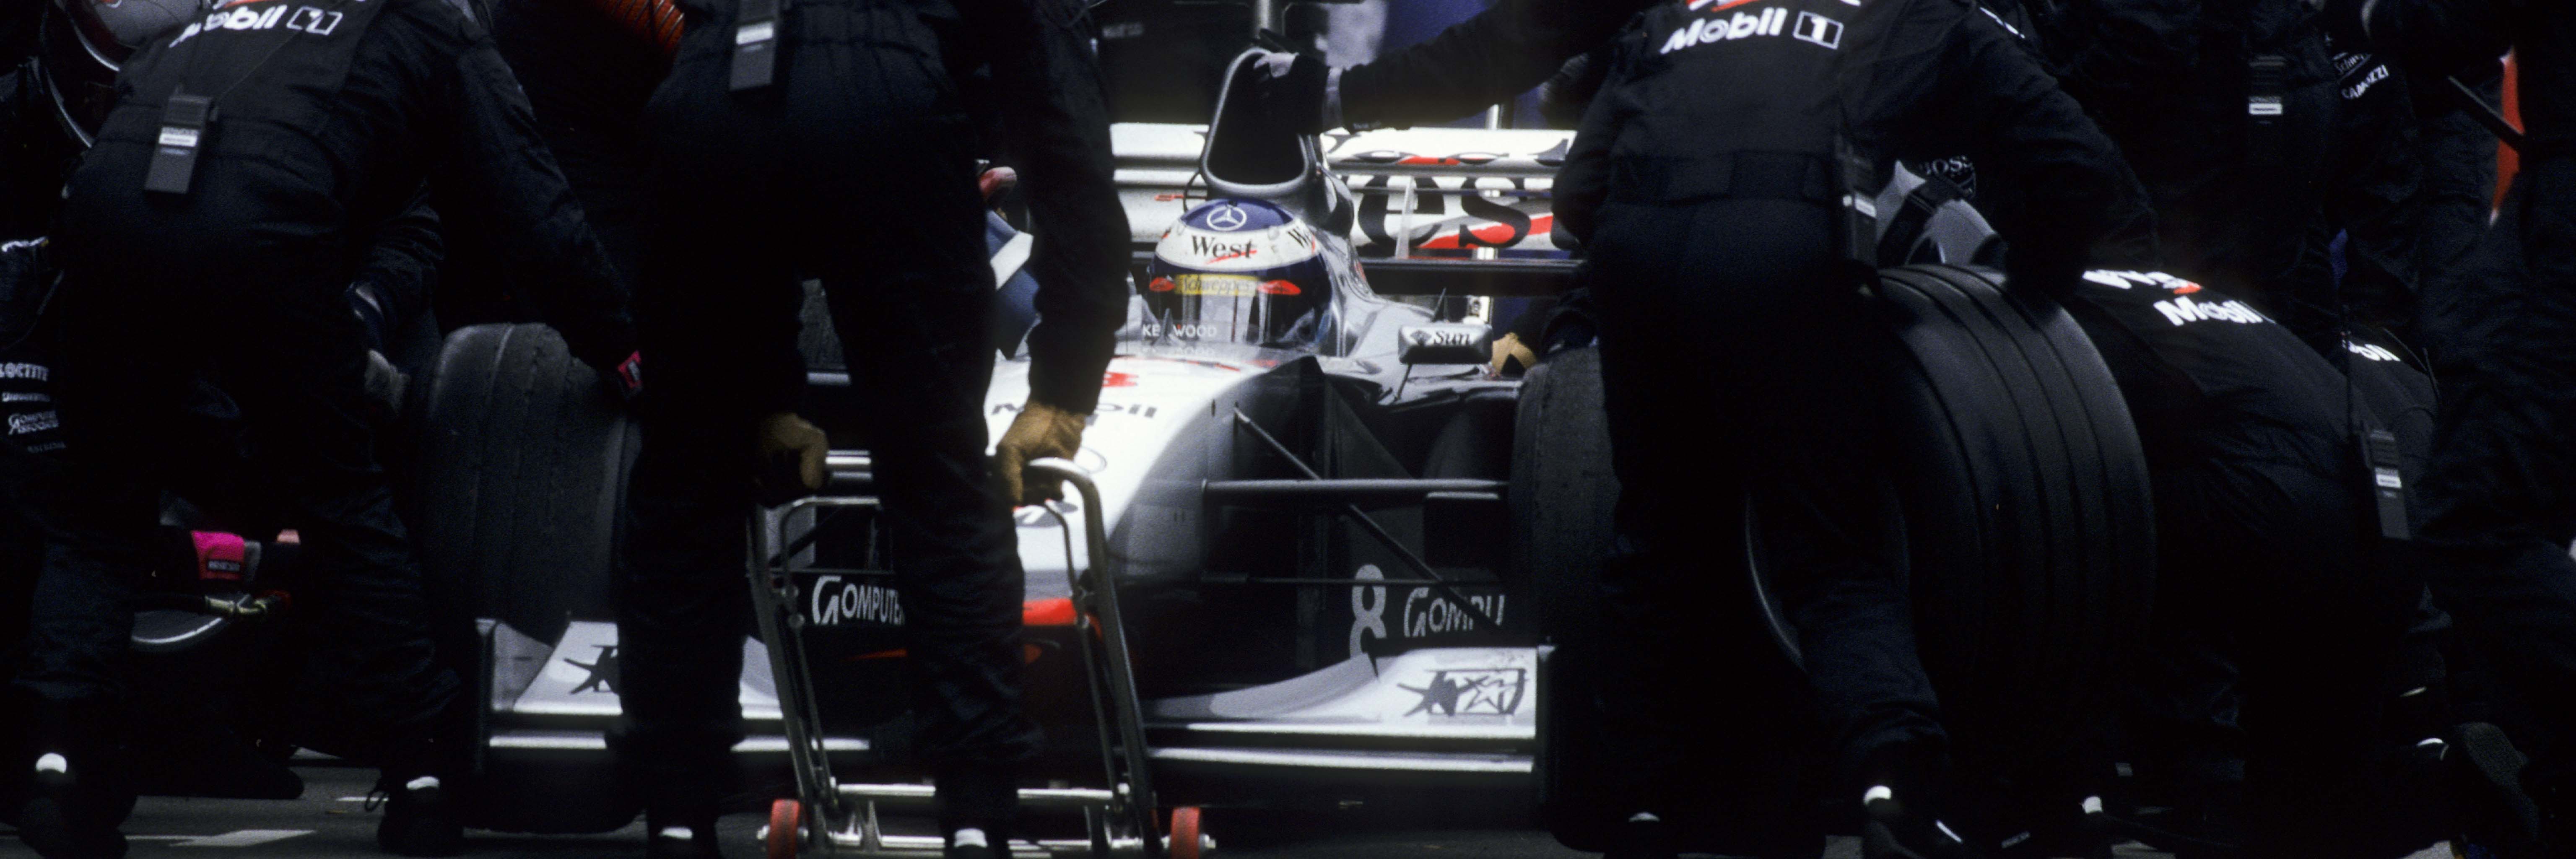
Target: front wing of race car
1392,696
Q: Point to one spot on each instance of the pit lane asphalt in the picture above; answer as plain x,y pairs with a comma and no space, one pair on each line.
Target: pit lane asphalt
331,821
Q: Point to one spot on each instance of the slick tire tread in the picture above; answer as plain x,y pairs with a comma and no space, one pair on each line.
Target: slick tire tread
1561,500
1563,493
2028,512
523,459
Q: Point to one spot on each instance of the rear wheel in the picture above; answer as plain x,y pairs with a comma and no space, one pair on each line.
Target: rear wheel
2024,500
2028,514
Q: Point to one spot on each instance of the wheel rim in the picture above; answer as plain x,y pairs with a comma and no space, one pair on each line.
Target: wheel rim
786,824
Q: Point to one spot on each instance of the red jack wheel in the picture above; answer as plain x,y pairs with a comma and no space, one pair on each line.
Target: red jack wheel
1185,833
786,824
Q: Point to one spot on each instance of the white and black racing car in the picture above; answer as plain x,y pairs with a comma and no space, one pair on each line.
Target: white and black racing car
1355,560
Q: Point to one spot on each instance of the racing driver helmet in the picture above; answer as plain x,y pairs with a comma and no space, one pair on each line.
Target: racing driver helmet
1238,271
85,42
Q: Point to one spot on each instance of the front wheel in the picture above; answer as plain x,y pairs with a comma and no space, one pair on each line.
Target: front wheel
1562,494
520,463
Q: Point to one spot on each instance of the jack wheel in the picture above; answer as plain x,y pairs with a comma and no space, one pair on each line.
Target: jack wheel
1186,841
786,827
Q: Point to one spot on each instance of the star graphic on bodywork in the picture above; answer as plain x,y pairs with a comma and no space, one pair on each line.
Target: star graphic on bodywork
1481,691
1442,693
603,673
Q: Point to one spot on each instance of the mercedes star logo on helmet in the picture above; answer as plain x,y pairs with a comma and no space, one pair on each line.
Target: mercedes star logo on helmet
1227,219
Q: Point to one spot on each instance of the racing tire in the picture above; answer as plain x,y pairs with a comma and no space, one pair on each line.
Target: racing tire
522,463
2024,498
786,829
1561,498
2028,514
521,460
1562,491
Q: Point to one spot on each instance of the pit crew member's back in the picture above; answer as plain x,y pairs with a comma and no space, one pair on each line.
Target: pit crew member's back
213,229
1706,184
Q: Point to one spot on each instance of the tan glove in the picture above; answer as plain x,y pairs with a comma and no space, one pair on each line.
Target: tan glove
791,454
1512,357
1039,432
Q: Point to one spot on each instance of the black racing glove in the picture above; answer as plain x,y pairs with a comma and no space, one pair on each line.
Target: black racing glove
374,311
1289,90
386,387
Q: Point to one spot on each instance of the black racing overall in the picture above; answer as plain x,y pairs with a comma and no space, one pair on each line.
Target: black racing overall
2279,613
832,139
282,136
240,277
253,159
2500,496
1739,355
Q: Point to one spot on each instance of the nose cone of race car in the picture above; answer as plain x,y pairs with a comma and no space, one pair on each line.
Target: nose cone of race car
1237,271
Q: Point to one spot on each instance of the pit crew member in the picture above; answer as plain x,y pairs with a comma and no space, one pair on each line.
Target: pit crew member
1704,181
2363,251
26,405
2228,115
215,227
2251,447
588,69
587,66
2499,508
832,142
2457,159
2207,397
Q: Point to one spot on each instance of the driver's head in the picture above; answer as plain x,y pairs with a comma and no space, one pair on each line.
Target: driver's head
1238,271
86,41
